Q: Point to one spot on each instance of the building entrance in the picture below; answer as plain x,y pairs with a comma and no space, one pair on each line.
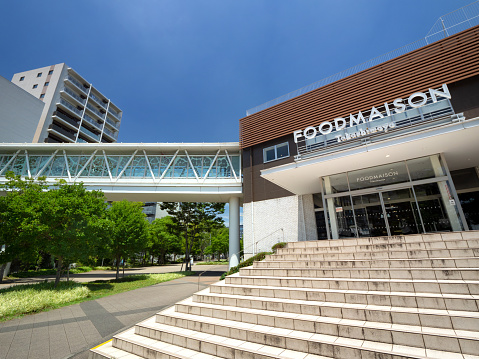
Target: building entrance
406,207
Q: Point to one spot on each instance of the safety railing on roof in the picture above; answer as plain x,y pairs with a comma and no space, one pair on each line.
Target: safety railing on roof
447,25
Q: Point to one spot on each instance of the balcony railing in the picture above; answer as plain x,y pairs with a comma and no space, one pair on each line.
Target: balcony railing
77,84
113,123
111,133
98,100
81,140
67,119
90,133
114,113
92,121
95,111
64,132
71,107
74,95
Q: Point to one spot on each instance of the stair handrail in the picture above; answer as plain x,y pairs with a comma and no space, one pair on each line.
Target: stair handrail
255,248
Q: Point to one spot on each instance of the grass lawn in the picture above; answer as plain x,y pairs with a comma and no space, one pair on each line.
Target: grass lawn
223,261
19,300
42,272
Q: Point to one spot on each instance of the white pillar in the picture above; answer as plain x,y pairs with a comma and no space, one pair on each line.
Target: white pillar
234,252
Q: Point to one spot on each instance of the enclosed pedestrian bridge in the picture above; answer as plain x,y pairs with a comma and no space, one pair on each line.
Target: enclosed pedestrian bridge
204,172
157,172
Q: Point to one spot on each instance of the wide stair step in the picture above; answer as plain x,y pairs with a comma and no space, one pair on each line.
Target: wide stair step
385,297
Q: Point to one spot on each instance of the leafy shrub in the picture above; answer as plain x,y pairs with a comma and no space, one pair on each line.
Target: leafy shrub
278,245
256,258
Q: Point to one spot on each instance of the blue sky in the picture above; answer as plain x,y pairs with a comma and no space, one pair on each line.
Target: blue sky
187,70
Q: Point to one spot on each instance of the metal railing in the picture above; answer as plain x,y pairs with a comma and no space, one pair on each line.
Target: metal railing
98,100
447,25
95,111
74,95
70,107
77,84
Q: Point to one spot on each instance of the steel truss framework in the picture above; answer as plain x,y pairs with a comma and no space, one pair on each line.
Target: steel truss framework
139,164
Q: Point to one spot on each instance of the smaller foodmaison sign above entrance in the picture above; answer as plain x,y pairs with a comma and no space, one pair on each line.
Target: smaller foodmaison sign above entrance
399,105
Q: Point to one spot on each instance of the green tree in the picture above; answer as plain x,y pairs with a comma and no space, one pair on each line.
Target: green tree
20,225
163,240
73,222
192,218
219,241
128,232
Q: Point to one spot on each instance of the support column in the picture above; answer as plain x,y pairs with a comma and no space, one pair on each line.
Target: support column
234,219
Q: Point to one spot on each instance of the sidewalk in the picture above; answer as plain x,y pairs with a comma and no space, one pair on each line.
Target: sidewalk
69,332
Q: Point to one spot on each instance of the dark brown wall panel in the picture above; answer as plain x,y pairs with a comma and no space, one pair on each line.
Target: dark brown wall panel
449,60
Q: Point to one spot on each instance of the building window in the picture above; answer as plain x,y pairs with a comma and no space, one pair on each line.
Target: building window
35,86
39,74
50,72
42,95
276,152
46,83
22,78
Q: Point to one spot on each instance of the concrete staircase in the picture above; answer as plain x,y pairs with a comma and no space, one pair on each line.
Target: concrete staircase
411,296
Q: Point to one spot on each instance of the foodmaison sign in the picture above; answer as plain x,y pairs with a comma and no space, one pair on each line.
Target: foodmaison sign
417,99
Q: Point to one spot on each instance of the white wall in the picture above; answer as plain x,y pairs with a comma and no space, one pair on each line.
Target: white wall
288,219
19,113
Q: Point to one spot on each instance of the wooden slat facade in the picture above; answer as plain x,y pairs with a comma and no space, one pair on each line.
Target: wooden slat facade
446,61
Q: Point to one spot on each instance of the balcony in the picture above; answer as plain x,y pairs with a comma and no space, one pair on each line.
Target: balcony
112,134
114,124
70,107
77,84
81,140
69,136
95,111
92,121
73,95
98,100
114,113
90,134
66,120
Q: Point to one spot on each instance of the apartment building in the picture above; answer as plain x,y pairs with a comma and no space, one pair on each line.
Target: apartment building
74,110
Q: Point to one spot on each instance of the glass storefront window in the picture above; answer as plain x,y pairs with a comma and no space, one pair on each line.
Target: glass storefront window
421,168
378,176
336,184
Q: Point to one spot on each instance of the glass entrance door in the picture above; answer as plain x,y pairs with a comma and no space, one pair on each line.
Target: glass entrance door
369,213
401,212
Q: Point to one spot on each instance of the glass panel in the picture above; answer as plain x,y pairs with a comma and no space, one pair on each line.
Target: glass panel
34,160
73,164
321,225
212,173
165,161
282,150
235,160
122,163
402,213
139,167
19,166
269,154
224,168
155,164
369,215
46,172
181,167
421,168
378,176
470,206
40,164
336,183
344,217
58,165
432,207
206,164
97,167
113,164
83,160
197,162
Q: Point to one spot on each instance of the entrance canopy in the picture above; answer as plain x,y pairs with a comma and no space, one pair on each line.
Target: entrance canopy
454,136
159,172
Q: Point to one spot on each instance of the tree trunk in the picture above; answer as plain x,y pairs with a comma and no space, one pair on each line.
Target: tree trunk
59,271
117,267
2,271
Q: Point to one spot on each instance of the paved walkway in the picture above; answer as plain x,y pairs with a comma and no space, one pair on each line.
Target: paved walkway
69,332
